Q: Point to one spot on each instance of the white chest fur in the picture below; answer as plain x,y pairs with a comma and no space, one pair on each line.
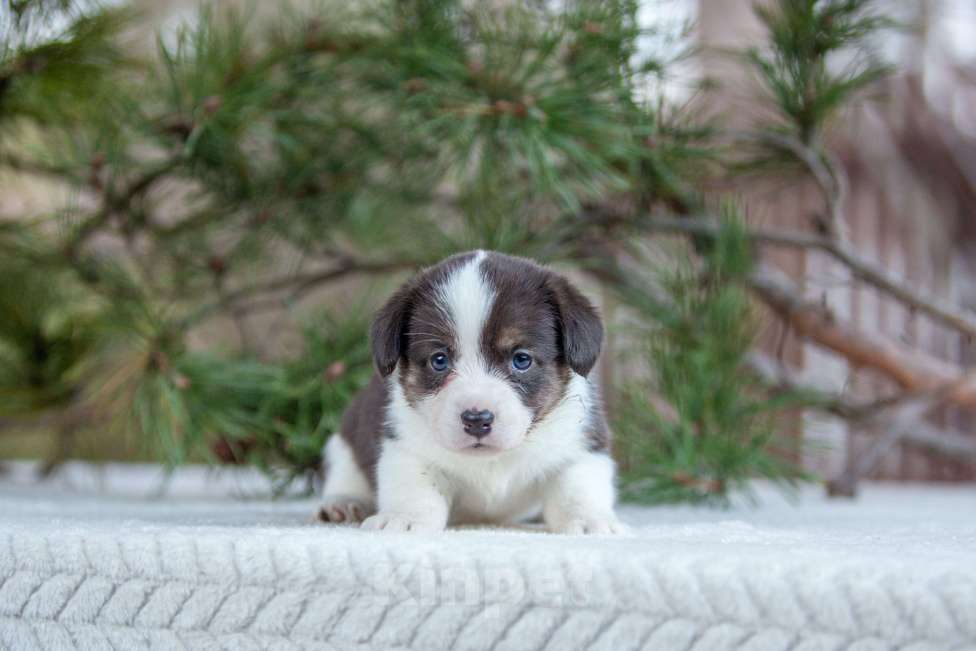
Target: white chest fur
500,488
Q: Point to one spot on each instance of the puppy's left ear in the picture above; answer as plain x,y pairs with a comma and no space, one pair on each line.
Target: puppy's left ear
580,327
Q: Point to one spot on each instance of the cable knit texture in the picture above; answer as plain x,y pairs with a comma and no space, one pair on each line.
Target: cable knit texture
120,570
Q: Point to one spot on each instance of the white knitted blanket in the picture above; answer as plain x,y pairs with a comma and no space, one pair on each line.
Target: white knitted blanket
196,569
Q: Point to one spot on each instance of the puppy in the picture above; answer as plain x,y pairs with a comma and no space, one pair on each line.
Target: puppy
480,410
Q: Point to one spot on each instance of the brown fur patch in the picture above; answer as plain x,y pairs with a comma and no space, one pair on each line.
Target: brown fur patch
509,338
364,425
526,316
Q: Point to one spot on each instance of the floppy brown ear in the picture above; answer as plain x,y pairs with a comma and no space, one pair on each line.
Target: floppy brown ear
386,333
580,327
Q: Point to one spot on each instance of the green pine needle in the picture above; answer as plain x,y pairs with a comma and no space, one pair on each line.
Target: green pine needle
703,427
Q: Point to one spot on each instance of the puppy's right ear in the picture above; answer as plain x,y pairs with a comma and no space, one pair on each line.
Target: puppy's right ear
386,334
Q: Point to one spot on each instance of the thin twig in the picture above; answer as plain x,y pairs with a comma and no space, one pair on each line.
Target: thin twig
238,316
901,416
112,203
296,285
826,172
895,424
27,166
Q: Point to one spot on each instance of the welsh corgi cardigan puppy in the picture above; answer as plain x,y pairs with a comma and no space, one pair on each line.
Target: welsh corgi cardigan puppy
480,410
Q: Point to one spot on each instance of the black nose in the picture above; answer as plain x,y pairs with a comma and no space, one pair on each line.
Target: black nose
477,423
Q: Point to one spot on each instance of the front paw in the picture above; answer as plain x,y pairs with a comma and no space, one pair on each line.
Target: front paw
594,525
389,521
343,508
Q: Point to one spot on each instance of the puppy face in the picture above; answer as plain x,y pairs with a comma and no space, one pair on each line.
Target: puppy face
483,345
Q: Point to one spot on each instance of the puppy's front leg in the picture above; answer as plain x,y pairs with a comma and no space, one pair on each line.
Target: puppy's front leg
580,498
411,496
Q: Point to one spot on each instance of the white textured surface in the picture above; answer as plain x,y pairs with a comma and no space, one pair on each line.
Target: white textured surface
119,570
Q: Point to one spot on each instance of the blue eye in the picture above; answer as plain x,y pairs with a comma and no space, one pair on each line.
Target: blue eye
440,362
521,361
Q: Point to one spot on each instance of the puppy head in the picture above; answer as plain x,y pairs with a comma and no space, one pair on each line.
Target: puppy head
483,345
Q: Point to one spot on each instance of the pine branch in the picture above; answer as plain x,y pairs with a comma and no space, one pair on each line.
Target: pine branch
718,428
318,132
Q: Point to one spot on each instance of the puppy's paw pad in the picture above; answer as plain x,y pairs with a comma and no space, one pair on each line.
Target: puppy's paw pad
339,508
598,526
398,522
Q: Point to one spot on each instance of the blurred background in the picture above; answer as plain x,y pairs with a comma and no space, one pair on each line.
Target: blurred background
201,203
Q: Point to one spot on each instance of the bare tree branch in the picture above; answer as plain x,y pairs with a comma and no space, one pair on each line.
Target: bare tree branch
931,438
911,369
901,418
964,321
894,427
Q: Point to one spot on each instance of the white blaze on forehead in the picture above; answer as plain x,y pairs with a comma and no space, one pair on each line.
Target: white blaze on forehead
467,299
